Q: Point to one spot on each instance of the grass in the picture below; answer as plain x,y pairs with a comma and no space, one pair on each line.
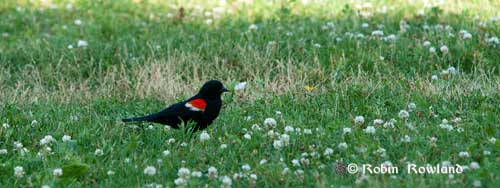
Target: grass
315,63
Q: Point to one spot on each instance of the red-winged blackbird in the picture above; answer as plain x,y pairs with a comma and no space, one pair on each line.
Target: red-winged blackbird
202,109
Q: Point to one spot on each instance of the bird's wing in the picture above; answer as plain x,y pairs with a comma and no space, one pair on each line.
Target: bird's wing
197,104
191,109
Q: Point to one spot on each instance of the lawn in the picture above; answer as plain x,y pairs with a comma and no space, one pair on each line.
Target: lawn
329,84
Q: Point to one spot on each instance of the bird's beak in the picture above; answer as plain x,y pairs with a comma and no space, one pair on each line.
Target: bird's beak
224,89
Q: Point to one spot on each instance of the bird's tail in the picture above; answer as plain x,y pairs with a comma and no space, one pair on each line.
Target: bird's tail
136,119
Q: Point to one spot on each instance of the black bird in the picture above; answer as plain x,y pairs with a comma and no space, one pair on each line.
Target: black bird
202,109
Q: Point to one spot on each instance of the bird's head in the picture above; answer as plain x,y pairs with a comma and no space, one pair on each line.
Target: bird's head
213,89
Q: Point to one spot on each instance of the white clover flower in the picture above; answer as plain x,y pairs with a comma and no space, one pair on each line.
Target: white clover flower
263,161
328,152
166,153
299,173
256,127
34,123
444,121
246,167
370,130
46,140
110,173
446,163
493,40
150,170
270,122
474,165
486,152
223,146
493,140
209,21
457,120
346,130
452,70
426,44
289,129
180,182
285,138
247,136
184,173
446,126
444,49
305,154
406,139
253,27
197,174
204,136
253,176
391,37
462,32
78,22
279,113
390,123
434,77
464,154
285,171
240,86
403,114
184,144
378,122
19,171
5,125
99,152
82,43
277,144
342,146
212,172
3,151
226,182
365,25
359,120
45,186
57,172
295,162
238,176
18,145
411,107
316,45
387,164
66,138
307,131
304,161
467,36
432,50
381,152
378,33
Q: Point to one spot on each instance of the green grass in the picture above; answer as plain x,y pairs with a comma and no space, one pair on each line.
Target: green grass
143,55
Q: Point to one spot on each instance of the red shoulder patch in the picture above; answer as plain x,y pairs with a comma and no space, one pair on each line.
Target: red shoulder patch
196,104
